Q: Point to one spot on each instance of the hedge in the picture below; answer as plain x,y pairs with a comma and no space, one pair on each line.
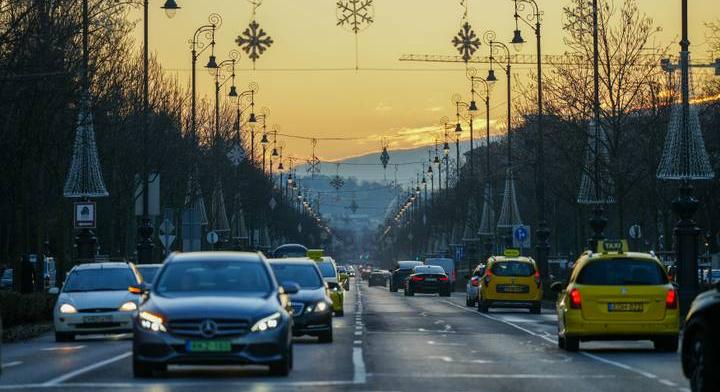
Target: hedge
19,309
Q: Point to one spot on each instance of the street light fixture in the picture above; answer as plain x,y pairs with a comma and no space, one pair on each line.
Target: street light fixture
170,8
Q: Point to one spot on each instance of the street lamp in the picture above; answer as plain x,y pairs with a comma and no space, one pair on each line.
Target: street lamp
542,232
170,8
473,80
229,63
208,32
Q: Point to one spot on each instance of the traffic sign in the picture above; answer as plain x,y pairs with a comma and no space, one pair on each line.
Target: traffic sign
167,240
521,236
212,238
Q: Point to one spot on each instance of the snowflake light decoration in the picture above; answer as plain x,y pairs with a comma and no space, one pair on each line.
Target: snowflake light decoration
236,155
254,41
466,42
313,166
355,15
337,182
384,158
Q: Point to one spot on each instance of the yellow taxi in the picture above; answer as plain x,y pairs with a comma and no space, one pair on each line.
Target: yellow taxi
329,271
510,281
614,294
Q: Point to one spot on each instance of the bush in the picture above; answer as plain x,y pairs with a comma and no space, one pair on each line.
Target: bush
18,309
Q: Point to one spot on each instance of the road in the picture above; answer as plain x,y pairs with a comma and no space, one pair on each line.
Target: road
385,342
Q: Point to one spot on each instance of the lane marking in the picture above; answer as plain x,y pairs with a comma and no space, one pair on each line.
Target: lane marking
11,364
64,348
441,357
75,373
553,341
496,376
359,372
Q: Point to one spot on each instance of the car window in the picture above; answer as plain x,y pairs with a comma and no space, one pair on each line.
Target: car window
429,269
290,251
217,277
342,269
512,268
7,274
148,273
99,279
306,276
620,272
327,270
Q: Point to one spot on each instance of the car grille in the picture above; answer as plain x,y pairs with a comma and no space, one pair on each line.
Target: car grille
97,310
297,307
225,327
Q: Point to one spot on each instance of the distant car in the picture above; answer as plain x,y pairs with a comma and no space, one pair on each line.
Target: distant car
6,282
447,264
148,271
365,273
510,282
701,342
289,250
343,277
402,270
328,269
428,279
472,288
378,278
351,271
95,300
214,308
311,306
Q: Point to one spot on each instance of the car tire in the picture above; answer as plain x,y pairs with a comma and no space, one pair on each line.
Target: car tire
699,358
561,342
666,344
61,337
143,369
483,307
468,303
326,337
572,344
282,367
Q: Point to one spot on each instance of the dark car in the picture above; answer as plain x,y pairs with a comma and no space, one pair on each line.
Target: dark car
311,306
213,308
428,279
701,342
148,271
289,250
378,278
402,270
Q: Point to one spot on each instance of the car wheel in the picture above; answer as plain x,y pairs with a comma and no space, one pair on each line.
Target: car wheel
572,343
483,306
467,301
326,337
666,343
703,377
61,337
561,342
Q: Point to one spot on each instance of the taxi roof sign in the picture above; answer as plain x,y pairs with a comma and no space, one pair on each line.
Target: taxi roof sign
315,254
612,246
511,252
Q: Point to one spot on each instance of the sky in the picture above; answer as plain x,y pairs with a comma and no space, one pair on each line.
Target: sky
307,78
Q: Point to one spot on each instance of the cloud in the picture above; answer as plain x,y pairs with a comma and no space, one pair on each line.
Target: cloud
381,107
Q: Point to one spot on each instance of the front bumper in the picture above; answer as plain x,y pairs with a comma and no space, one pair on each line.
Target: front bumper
251,348
575,325
312,323
94,323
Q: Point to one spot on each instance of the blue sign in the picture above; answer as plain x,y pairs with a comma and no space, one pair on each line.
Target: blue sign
459,252
521,233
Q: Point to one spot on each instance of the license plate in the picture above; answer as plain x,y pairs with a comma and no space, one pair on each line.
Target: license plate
97,319
625,307
430,279
512,289
208,346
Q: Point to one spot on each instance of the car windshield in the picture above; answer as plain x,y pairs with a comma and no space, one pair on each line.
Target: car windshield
327,270
214,277
304,275
290,251
622,272
148,273
99,279
512,268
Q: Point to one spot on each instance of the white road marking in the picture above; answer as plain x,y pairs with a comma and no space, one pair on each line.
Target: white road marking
494,376
64,348
668,383
359,373
441,357
549,339
11,364
434,343
75,373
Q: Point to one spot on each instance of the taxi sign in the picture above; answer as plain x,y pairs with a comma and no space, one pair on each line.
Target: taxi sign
613,246
315,254
511,252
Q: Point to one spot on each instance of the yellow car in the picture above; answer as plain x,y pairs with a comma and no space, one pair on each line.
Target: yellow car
614,294
510,281
328,269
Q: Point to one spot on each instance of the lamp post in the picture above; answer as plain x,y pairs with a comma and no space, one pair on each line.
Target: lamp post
145,229
208,31
458,133
542,247
229,63
473,108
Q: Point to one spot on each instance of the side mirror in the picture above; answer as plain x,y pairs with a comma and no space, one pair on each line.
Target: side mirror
290,288
557,287
138,289
53,291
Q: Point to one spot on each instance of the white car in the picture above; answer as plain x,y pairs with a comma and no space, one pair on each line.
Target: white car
95,300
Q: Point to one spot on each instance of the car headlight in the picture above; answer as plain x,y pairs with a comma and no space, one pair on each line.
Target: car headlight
152,322
67,309
321,307
129,306
270,322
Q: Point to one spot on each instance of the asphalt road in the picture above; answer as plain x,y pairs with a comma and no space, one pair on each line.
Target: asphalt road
385,342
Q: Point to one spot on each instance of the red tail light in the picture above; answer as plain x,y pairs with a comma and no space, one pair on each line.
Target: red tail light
671,300
443,278
417,278
575,299
538,281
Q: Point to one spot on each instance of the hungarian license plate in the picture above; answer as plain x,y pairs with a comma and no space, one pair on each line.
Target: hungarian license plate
97,319
431,279
512,289
625,307
208,346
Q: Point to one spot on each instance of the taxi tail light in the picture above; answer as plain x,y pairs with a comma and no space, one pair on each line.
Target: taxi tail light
538,281
475,282
575,299
443,278
417,278
671,300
